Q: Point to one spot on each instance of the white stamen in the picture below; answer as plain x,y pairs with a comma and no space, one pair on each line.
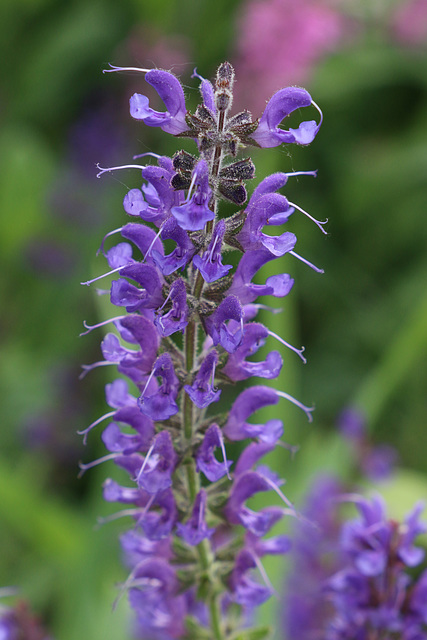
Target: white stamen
117,515
316,106
297,351
302,173
263,573
90,327
224,455
88,367
91,426
316,222
110,233
114,68
154,240
94,463
147,153
297,403
309,264
104,275
275,488
124,166
141,471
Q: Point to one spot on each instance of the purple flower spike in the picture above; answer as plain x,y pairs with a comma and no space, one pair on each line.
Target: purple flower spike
247,403
155,474
229,309
177,318
161,404
195,213
205,458
246,591
269,134
202,392
238,368
210,264
171,92
195,529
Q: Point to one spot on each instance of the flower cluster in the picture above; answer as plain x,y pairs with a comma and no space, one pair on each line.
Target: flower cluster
352,579
190,324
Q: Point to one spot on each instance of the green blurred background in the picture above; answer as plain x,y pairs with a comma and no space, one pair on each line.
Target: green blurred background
364,322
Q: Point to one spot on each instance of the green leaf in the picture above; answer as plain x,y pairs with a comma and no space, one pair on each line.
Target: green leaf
260,633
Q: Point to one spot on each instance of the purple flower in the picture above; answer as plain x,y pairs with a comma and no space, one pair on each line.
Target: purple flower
202,392
147,296
269,134
195,529
229,309
171,92
250,263
205,457
160,610
161,404
238,368
247,403
154,202
244,487
179,256
156,524
155,474
246,591
195,212
176,319
210,264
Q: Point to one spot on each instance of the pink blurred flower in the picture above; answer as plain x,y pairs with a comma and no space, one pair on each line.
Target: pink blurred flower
410,23
280,41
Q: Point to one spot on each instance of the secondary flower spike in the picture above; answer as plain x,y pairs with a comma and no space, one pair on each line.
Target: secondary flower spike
185,283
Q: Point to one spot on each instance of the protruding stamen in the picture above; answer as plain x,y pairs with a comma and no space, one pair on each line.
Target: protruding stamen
153,242
224,455
280,493
119,514
292,448
94,463
292,348
91,426
104,275
88,367
309,264
264,575
113,68
107,235
302,173
316,106
141,471
297,403
100,324
147,153
124,166
318,223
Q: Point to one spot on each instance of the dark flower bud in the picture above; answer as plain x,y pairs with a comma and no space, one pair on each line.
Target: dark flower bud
241,170
183,161
223,100
224,76
232,191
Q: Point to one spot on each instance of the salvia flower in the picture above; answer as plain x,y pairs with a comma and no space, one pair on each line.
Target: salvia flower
184,331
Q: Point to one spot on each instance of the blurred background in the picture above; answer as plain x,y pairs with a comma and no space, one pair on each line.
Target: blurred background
364,322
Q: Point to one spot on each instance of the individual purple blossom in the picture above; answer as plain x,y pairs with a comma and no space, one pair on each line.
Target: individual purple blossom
176,319
171,92
210,263
206,461
216,324
147,296
202,392
242,286
179,257
244,589
156,471
269,134
194,213
154,202
247,403
195,529
238,368
161,404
